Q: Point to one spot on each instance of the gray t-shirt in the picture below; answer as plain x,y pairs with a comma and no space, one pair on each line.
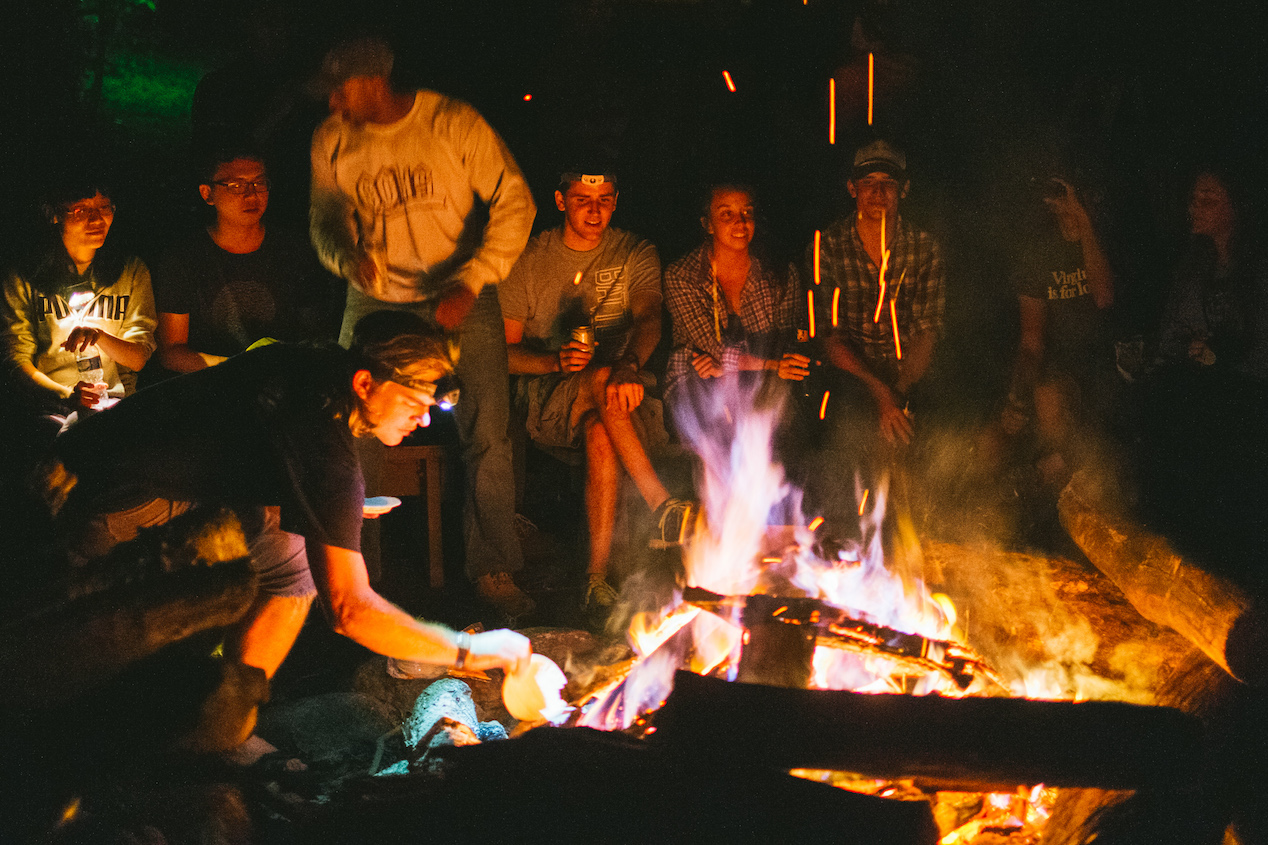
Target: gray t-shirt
552,289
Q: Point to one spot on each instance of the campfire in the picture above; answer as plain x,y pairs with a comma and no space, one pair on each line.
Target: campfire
778,683
802,615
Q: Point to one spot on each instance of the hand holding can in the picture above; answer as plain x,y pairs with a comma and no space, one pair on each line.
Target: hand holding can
576,353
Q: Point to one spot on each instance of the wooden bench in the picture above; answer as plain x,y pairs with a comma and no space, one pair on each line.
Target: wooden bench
417,471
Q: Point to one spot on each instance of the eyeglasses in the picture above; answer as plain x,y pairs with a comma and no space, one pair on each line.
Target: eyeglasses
84,213
443,394
241,187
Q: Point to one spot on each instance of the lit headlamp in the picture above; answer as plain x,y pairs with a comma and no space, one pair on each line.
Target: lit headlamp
443,393
447,390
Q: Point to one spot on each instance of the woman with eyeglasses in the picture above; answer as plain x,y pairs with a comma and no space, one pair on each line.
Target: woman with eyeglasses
237,281
79,316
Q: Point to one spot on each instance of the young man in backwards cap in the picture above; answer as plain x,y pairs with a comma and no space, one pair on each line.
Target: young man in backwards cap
583,391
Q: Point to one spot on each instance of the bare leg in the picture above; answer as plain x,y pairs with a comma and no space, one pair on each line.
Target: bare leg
624,439
264,636
603,478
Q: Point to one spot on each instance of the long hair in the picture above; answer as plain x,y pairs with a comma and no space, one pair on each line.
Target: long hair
48,267
390,344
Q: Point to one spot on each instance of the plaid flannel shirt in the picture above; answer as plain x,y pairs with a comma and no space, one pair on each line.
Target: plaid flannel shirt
915,285
767,310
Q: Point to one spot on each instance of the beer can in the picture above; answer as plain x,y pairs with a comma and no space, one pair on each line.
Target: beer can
584,334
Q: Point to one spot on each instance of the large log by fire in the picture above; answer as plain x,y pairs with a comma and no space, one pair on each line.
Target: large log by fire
1225,622
172,582
582,785
986,743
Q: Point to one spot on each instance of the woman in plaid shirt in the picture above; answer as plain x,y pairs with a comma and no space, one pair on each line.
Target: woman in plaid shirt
731,313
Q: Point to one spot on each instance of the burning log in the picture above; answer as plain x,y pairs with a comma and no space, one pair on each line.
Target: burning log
990,744
1227,624
814,623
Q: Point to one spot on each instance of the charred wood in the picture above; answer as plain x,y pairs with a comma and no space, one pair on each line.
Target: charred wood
775,653
989,743
581,785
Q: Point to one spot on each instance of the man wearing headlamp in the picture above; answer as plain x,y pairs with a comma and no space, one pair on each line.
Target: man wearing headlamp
270,433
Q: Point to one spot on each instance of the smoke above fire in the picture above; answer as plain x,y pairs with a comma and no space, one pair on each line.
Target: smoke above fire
754,538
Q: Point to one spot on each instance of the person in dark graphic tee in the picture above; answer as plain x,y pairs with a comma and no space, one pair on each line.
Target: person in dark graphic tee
269,434
418,204
237,282
1064,369
78,318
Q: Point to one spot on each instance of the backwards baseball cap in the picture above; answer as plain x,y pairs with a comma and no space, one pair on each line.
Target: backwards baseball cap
569,176
879,157
365,56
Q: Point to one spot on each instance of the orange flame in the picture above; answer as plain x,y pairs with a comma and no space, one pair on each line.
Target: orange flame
648,631
943,601
576,280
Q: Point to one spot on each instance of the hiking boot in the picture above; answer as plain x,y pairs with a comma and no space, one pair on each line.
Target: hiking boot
599,593
675,522
499,589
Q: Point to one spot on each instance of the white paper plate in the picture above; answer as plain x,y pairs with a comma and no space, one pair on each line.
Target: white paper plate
377,505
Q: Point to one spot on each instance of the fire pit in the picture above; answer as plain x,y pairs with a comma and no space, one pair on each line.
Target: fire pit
772,653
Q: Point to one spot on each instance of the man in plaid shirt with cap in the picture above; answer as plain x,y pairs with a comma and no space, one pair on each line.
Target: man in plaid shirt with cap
888,313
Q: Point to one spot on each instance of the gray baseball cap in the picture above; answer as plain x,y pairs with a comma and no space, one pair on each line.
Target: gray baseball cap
879,157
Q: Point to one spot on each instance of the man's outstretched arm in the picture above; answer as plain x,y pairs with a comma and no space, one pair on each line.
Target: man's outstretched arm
365,617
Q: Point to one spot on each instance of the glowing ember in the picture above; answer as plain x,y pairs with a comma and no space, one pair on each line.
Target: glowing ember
832,110
528,98
863,501
576,280
880,299
730,83
810,301
836,302
818,236
815,523
871,79
823,406
893,320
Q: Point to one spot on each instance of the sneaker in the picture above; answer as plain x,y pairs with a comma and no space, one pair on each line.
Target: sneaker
499,589
599,593
675,521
